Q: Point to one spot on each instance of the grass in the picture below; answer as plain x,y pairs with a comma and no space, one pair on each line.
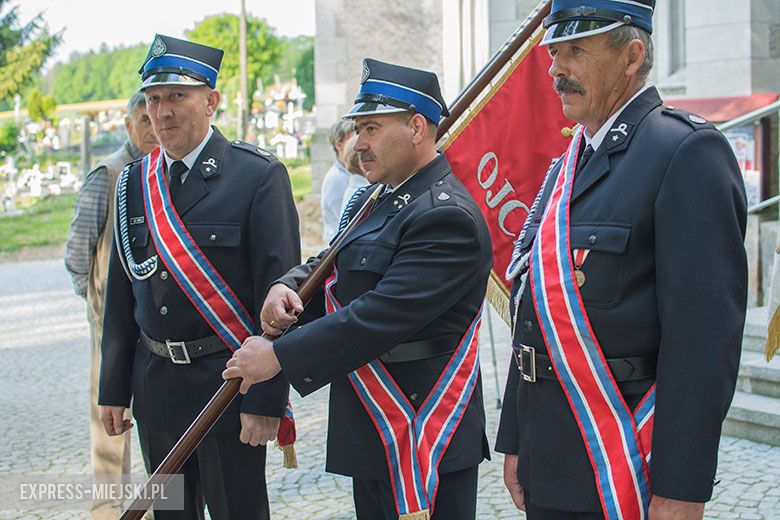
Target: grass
45,221
300,178
43,224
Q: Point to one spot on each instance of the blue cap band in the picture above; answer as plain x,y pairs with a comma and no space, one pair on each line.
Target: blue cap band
422,103
185,63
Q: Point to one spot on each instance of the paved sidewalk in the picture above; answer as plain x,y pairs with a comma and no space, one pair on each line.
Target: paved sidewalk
44,365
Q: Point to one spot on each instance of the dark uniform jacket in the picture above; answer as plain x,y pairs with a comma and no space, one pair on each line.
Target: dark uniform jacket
242,216
661,206
415,269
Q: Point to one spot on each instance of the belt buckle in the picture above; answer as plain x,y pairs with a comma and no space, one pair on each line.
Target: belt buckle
184,359
527,357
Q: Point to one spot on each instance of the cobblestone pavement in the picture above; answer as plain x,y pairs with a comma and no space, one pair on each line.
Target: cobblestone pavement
44,415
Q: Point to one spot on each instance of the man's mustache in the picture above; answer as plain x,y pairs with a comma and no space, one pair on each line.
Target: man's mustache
365,156
568,86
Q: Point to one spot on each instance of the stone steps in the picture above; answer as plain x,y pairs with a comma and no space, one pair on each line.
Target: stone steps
755,411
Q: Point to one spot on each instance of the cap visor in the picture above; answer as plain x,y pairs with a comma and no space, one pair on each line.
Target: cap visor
170,79
574,29
367,109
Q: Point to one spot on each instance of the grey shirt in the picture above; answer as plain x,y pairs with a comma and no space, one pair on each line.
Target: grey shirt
88,222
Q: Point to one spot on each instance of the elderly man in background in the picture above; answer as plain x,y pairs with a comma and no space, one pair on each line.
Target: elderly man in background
629,290
336,180
86,258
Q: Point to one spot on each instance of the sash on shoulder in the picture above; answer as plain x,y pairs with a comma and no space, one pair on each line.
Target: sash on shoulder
208,292
415,442
617,439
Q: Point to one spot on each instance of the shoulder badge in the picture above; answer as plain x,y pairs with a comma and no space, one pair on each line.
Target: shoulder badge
693,120
265,154
442,194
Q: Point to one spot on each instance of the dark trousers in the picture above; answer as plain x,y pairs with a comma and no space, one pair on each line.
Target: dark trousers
533,512
223,473
456,498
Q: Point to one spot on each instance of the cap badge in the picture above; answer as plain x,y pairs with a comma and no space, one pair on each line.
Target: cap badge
158,47
366,73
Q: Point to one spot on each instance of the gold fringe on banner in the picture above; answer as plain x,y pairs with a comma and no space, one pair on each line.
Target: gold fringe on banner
773,336
288,452
498,296
417,515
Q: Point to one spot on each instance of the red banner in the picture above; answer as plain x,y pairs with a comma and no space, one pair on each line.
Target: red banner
504,150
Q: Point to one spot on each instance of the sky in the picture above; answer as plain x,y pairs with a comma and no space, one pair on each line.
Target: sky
89,23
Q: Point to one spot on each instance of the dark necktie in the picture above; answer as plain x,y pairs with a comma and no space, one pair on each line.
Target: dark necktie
584,158
174,183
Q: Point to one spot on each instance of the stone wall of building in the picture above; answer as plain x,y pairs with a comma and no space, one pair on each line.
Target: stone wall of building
405,32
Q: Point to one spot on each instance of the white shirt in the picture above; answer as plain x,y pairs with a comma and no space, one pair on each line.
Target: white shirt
333,187
189,159
599,136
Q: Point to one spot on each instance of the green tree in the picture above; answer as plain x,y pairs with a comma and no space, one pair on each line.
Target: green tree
304,75
23,49
92,76
297,61
41,108
9,134
264,49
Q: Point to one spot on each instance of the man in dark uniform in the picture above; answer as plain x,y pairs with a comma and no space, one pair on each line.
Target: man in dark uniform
232,205
403,303
629,290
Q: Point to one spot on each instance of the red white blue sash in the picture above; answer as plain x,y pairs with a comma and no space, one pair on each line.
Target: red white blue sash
415,441
617,439
200,281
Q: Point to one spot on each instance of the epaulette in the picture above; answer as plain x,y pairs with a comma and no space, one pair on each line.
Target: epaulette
265,154
695,121
442,194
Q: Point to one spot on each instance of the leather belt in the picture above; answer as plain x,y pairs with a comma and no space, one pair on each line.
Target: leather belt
182,352
419,350
535,366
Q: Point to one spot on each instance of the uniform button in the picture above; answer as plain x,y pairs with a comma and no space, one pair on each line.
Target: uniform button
439,183
133,240
307,379
413,397
163,310
363,261
528,325
164,275
592,239
213,237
